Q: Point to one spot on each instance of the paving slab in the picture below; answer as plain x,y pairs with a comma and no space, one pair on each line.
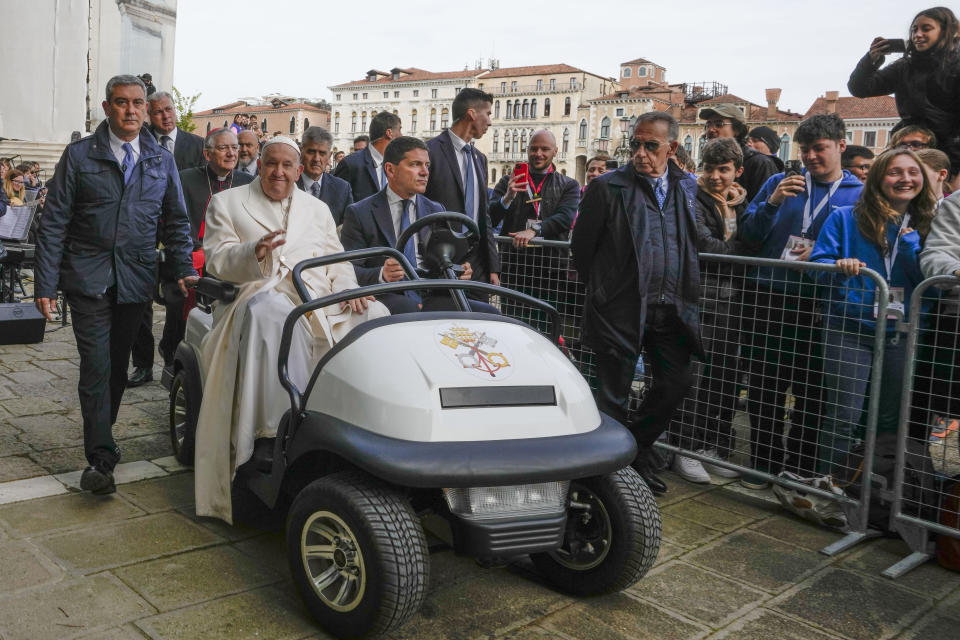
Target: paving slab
12,445
24,566
758,560
745,505
763,624
70,609
185,579
161,494
708,515
929,579
264,613
796,530
697,594
668,551
50,431
852,604
679,489
127,632
147,447
528,633
170,464
950,607
19,468
125,542
686,533
932,626
123,473
29,489
31,406
620,617
62,512
270,548
62,460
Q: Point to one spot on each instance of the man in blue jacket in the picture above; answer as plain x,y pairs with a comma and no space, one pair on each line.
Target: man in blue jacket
113,196
784,219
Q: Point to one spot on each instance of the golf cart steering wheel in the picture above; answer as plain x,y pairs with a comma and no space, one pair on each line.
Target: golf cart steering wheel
445,248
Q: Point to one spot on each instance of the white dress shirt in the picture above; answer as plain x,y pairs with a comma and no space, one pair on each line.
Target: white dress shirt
308,182
173,139
116,145
396,212
458,145
378,163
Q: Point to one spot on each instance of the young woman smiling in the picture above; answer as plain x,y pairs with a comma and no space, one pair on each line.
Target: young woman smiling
883,232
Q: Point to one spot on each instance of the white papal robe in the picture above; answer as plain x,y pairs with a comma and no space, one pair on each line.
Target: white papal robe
242,396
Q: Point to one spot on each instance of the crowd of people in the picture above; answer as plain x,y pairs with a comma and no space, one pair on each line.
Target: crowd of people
636,233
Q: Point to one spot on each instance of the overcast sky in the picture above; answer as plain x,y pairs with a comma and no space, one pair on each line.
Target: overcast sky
230,49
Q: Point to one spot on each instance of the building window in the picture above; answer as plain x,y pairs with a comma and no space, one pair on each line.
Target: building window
516,146
444,118
208,126
506,142
336,122
688,145
849,135
293,124
516,109
513,86
306,123
363,121
869,138
503,87
225,124
619,112
416,93
355,96
573,84
540,84
396,94
508,109
263,126
456,90
413,121
371,77
546,106
566,140
386,94
496,109
533,108
365,96
496,142
605,128
433,119
642,71
523,142
338,97
493,174
626,72
525,109
566,106
784,148
553,84
582,135
433,93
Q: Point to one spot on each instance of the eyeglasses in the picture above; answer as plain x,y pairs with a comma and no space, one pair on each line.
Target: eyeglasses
223,147
914,144
650,146
716,124
17,182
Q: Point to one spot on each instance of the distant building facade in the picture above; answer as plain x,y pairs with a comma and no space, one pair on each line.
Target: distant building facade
868,120
286,114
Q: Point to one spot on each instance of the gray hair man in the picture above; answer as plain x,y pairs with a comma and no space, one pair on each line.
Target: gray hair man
316,180
187,148
249,151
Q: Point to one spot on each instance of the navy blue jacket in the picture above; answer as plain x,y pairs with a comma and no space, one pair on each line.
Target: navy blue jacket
610,240
93,222
360,171
368,223
335,193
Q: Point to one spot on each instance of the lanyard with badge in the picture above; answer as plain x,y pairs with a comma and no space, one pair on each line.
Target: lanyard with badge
895,300
804,241
536,200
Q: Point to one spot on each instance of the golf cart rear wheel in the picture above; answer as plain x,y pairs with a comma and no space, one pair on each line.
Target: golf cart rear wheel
357,553
612,537
184,410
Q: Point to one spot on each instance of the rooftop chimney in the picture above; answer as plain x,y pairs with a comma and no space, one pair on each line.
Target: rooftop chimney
832,98
773,97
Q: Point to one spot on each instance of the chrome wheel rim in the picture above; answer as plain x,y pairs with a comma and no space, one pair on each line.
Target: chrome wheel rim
178,415
333,561
586,541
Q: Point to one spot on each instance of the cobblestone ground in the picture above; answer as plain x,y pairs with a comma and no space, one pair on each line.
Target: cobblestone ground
139,563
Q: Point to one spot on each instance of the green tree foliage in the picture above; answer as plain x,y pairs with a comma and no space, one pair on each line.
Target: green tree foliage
184,106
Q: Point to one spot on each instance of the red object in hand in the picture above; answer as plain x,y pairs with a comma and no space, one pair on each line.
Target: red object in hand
522,169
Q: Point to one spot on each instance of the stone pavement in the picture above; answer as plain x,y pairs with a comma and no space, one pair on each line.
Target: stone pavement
139,564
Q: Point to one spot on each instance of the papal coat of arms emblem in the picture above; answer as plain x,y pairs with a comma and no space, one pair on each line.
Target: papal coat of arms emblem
474,351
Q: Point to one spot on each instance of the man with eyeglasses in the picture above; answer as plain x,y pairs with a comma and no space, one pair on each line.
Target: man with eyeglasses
913,137
635,247
726,120
857,160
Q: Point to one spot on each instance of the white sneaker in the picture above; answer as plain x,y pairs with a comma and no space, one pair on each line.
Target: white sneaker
690,469
713,469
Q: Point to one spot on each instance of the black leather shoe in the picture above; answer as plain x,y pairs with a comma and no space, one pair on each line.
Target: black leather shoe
141,375
97,480
658,486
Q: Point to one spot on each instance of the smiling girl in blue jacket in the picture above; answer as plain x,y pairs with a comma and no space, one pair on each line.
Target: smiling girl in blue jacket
884,232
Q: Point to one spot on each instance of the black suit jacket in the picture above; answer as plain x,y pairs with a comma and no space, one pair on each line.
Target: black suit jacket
360,171
446,187
196,193
368,223
187,149
335,193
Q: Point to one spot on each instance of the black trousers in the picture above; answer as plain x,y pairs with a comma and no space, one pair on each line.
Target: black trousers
174,324
105,333
143,344
398,303
668,350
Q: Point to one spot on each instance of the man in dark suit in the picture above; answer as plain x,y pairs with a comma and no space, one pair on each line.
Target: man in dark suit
113,196
458,175
377,221
364,169
315,157
199,185
187,148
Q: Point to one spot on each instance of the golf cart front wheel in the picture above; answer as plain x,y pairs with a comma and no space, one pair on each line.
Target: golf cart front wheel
184,411
357,553
612,536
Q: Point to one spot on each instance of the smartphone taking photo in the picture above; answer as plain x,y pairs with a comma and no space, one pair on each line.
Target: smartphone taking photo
792,168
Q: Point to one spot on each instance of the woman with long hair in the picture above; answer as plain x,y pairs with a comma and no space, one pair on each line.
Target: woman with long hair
883,231
14,187
925,82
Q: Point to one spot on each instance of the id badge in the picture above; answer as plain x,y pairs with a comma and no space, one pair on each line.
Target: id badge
798,243
894,303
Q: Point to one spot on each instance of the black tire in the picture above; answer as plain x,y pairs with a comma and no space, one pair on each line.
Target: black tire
381,544
185,396
614,546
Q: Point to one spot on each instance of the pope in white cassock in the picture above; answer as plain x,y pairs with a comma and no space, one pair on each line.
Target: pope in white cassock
255,235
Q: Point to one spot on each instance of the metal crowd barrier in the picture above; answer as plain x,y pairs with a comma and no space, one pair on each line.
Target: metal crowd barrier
927,451
804,394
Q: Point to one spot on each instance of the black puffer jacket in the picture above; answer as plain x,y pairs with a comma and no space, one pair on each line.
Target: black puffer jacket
926,94
757,167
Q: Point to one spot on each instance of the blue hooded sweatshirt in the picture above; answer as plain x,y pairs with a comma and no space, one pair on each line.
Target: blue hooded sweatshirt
852,299
770,226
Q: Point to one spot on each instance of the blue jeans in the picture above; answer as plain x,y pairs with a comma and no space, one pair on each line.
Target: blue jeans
848,359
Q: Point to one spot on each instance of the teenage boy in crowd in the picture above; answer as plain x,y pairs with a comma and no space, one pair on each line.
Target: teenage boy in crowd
726,120
784,220
857,160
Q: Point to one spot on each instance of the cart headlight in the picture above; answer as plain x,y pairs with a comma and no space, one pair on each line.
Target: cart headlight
495,502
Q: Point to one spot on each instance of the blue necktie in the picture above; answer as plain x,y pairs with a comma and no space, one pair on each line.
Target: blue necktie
128,163
660,192
469,183
315,190
409,249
